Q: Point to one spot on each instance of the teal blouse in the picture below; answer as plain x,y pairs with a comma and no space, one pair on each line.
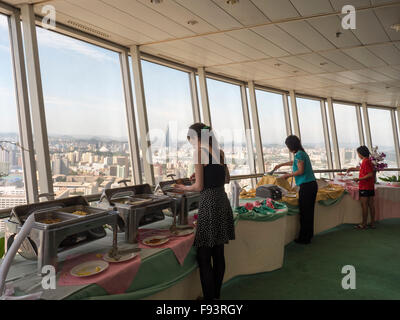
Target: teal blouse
308,174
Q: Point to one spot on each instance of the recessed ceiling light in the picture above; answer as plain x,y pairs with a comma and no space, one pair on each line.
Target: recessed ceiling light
156,1
395,27
232,1
192,22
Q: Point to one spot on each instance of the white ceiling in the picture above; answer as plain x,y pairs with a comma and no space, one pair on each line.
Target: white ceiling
286,44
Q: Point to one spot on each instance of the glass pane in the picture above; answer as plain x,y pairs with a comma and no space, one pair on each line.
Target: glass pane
227,121
12,189
382,135
86,116
169,112
347,134
272,128
312,132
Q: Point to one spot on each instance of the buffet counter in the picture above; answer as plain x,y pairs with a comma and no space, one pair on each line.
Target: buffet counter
259,247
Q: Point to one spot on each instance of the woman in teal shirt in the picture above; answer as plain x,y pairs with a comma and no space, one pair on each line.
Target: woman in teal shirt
304,176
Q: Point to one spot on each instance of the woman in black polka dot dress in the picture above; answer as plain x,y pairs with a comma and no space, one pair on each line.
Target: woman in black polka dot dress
215,226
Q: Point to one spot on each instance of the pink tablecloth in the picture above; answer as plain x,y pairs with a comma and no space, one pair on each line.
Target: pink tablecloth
179,245
387,200
115,280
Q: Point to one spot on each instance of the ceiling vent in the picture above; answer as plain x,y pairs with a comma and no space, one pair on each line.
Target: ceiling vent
84,28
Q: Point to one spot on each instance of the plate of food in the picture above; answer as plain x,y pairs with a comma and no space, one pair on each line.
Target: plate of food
89,268
120,258
154,241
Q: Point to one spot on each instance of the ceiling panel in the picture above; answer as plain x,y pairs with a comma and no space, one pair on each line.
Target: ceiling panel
212,46
104,24
321,62
281,39
302,64
312,7
237,46
364,56
382,1
187,50
132,19
353,76
338,77
244,11
389,71
388,53
342,59
374,76
117,38
338,4
307,35
181,15
277,10
389,16
258,42
329,26
277,69
209,11
368,28
252,71
293,70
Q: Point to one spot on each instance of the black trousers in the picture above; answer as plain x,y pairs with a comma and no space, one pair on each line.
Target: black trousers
211,275
307,196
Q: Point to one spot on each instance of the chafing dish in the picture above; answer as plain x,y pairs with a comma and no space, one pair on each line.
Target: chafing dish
58,228
184,201
137,206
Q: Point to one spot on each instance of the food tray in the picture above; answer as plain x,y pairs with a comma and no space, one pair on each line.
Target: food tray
92,212
64,219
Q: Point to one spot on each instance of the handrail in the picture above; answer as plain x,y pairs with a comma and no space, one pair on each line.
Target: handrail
5,213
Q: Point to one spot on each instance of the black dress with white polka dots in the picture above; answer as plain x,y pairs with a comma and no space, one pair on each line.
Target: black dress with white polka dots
215,224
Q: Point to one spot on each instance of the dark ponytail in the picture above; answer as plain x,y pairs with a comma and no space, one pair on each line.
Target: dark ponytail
364,151
293,143
200,130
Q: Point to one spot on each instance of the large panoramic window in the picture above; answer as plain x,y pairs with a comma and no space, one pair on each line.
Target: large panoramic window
382,134
85,112
272,128
312,132
347,134
169,112
12,189
227,121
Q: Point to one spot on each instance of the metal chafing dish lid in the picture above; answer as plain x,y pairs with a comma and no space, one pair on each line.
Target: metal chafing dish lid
20,213
132,196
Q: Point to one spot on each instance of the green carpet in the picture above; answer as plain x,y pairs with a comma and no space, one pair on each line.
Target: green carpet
314,271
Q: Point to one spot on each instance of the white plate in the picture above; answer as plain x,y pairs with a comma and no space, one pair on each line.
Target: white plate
182,233
125,257
163,239
89,268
